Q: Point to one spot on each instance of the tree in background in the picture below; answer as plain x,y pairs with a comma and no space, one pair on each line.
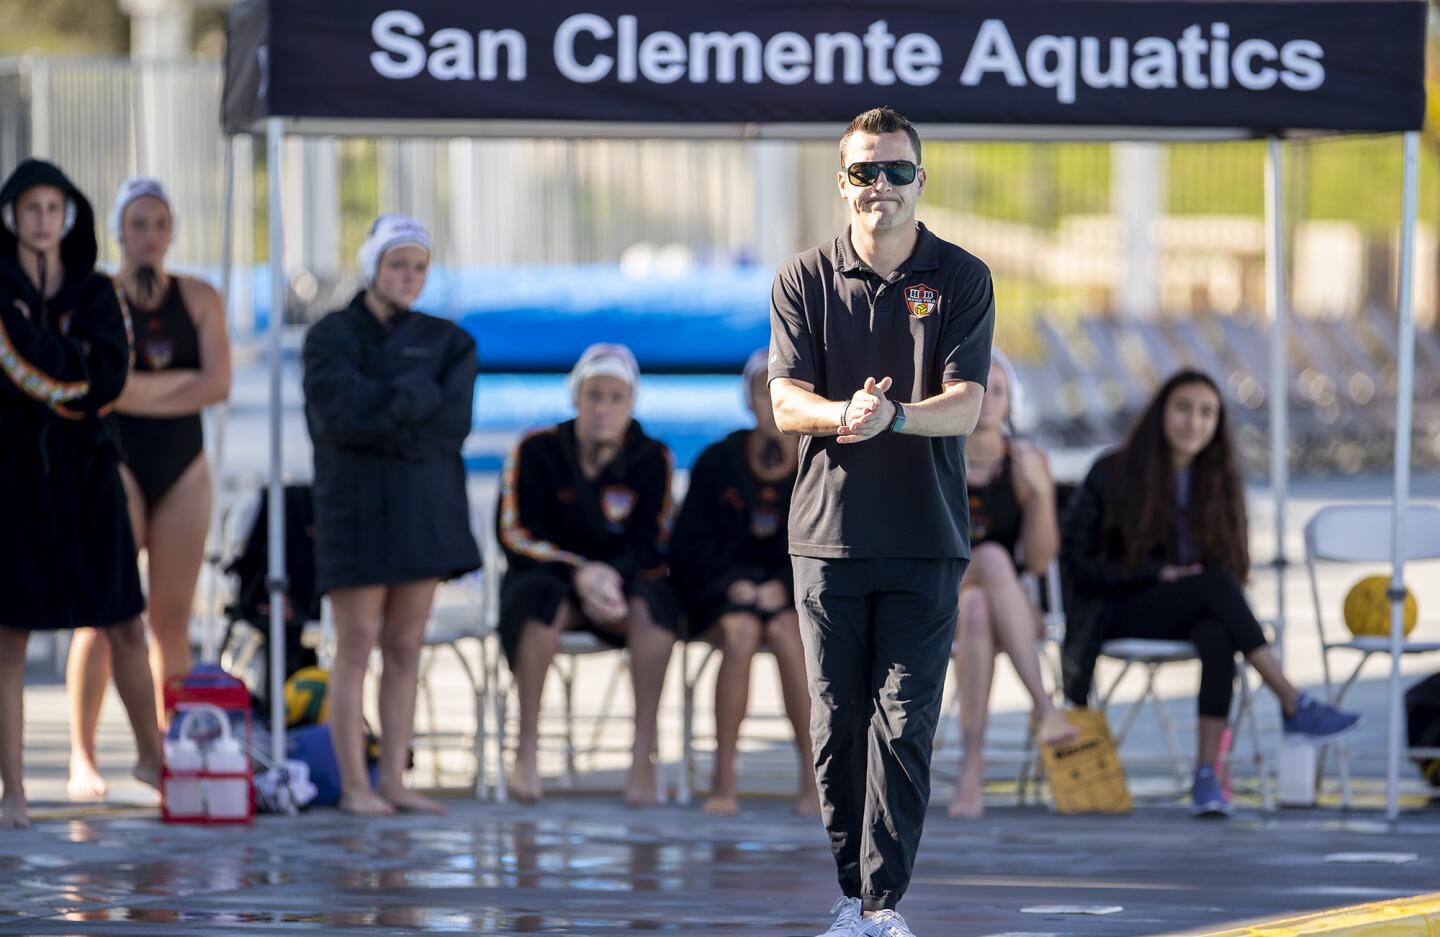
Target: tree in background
63,27
90,27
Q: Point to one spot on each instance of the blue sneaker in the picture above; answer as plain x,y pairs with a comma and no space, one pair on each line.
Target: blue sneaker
1209,795
1320,723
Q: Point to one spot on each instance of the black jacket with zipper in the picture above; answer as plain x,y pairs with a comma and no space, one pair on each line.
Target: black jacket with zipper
732,526
388,407
1096,578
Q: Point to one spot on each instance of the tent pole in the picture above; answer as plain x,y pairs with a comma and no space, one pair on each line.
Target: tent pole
1404,403
209,643
274,134
1279,372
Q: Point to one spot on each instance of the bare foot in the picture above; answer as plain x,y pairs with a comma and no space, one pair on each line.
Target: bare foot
14,814
147,773
366,804
85,782
969,800
524,782
809,804
408,801
642,789
1055,729
722,805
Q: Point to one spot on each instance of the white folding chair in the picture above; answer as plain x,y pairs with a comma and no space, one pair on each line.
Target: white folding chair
574,645
1362,534
1153,654
450,628
696,656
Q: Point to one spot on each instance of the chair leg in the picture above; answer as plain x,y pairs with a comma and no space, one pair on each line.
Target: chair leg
431,723
499,696
607,703
476,681
1342,751
687,727
1029,753
1248,715
1114,685
567,682
1167,728
1134,712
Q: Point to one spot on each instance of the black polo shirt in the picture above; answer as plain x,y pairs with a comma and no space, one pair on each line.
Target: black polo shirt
835,322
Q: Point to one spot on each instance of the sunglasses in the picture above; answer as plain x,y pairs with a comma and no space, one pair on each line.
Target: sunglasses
898,171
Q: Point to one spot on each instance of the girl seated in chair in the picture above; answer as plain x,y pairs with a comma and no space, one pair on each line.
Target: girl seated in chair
1012,513
582,519
731,569
1156,544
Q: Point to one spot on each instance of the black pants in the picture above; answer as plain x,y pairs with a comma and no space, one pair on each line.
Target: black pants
877,636
1209,610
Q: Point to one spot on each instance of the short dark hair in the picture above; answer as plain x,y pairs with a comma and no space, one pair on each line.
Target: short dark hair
880,120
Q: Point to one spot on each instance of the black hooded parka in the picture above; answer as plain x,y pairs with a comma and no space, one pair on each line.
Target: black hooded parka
67,553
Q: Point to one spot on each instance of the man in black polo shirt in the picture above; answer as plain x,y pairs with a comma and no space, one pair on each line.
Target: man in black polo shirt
879,352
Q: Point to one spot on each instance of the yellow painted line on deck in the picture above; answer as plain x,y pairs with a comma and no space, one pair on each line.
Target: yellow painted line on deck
1405,917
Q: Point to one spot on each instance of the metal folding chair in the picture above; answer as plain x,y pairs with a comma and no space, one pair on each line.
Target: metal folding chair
1151,655
696,656
1361,534
573,647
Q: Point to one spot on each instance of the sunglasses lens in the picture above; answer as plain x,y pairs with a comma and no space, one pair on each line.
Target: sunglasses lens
864,173
900,172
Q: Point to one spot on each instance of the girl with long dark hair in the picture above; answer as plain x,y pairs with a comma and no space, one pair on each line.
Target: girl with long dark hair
1156,543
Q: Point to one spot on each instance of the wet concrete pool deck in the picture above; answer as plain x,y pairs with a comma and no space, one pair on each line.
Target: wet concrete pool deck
589,866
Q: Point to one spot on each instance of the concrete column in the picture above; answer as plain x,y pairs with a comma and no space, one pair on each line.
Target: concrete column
1138,199
159,29
775,215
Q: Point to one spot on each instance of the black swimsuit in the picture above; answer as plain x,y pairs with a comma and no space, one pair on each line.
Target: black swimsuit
158,450
995,513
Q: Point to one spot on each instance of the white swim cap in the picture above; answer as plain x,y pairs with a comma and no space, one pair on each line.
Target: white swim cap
603,359
389,231
130,190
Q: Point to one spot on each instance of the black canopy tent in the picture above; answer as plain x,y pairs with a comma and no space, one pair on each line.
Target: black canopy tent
1042,70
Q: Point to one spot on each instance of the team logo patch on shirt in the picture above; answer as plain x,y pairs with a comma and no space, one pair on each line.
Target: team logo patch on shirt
616,503
158,352
764,522
922,300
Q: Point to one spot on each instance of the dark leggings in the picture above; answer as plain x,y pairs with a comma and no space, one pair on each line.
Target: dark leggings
1209,610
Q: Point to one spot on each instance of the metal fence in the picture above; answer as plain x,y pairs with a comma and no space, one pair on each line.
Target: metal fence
1087,241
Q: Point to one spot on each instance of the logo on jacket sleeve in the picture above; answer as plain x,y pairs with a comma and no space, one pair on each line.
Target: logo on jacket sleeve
922,300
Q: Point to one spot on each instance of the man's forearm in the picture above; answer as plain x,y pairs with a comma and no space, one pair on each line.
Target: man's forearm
953,412
801,412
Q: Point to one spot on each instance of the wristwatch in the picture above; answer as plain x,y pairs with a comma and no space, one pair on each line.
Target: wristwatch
898,422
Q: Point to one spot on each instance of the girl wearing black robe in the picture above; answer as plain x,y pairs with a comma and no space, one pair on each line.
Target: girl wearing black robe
730,564
582,519
67,554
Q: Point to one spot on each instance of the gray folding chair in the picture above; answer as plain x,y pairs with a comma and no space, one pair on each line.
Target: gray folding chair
1361,534
1151,655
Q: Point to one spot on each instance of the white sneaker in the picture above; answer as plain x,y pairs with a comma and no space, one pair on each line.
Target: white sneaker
847,919
887,923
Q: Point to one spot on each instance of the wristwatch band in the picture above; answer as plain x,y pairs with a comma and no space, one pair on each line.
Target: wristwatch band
897,423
